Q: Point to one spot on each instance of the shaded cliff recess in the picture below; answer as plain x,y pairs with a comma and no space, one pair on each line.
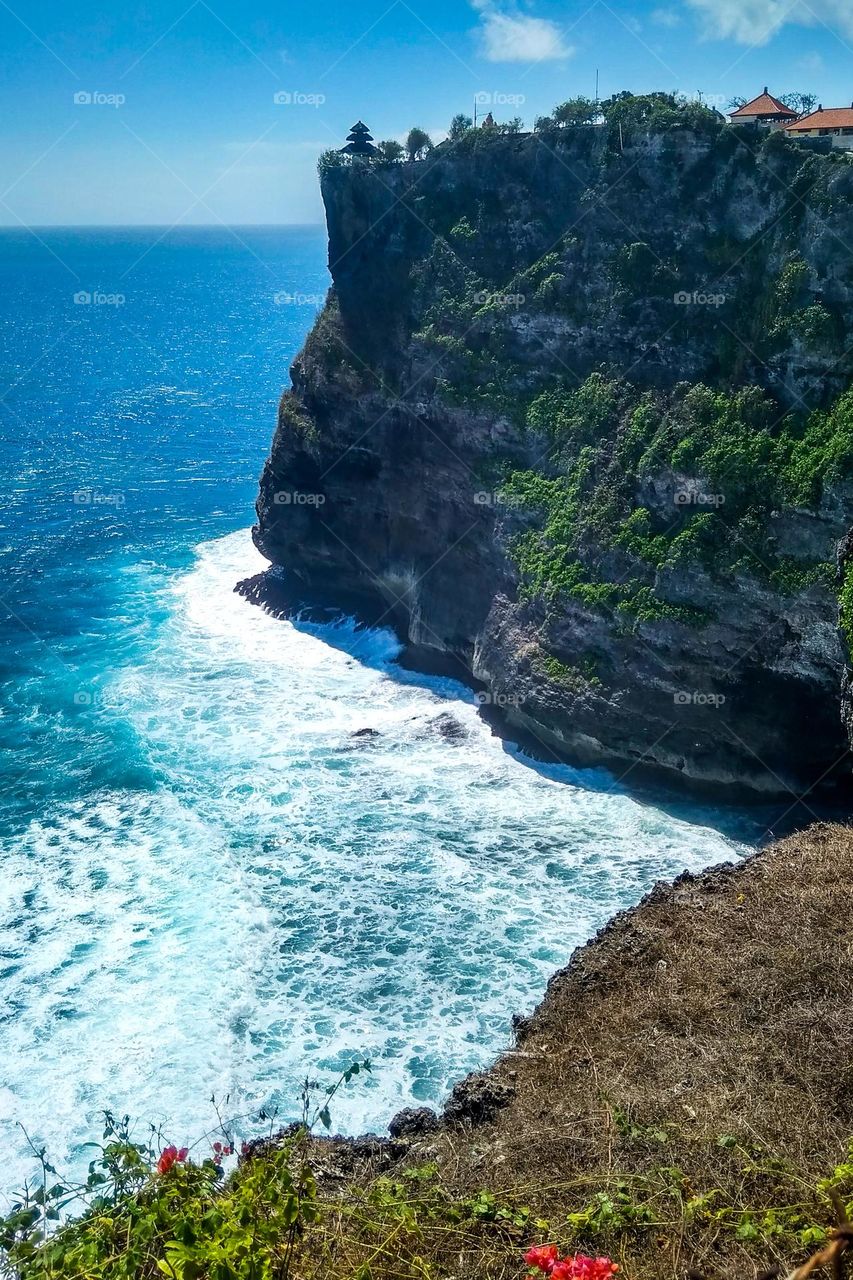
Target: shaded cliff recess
578,419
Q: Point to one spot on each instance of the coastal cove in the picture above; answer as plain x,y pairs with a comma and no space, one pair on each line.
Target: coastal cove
214,880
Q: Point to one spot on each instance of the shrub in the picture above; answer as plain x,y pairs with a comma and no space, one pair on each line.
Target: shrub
148,1209
578,417
332,159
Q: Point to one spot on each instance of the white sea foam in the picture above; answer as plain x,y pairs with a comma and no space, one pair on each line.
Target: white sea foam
288,896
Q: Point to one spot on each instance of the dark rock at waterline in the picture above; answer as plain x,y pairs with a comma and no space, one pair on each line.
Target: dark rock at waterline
268,592
340,1158
521,1025
412,1122
366,734
333,1157
447,727
477,1099
450,728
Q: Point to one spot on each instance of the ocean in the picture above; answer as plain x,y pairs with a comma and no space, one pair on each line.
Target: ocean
210,887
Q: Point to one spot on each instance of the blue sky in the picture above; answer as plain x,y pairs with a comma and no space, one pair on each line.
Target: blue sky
158,112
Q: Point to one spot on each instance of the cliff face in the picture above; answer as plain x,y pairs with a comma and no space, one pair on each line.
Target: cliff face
517,433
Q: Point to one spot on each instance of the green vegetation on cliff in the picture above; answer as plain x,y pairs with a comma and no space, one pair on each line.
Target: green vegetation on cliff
698,477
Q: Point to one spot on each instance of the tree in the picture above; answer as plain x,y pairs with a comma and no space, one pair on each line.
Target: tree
658,112
391,150
575,111
802,103
737,103
459,126
331,159
418,143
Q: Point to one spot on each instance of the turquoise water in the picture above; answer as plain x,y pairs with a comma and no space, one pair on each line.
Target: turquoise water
208,886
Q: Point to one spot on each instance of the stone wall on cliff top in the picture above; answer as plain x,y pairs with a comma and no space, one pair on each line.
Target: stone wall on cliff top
467,285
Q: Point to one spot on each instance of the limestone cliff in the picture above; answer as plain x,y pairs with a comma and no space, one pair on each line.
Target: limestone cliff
577,418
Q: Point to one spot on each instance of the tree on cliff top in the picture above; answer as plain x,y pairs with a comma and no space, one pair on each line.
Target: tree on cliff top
418,143
459,126
659,111
574,110
802,103
391,150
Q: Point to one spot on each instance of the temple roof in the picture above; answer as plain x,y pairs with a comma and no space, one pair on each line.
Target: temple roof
359,141
764,105
830,118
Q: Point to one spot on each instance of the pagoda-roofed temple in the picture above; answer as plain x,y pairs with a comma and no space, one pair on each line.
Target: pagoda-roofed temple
359,141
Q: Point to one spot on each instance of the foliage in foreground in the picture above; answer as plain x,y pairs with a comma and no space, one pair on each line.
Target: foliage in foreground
146,1209
149,1215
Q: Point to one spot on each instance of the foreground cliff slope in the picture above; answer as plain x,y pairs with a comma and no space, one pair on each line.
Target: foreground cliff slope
681,1101
577,418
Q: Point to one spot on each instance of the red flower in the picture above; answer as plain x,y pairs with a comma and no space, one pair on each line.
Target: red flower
170,1156
543,1257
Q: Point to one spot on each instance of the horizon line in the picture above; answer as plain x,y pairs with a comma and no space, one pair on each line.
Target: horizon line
156,226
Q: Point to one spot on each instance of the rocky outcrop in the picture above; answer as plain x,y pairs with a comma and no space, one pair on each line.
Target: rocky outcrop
465,285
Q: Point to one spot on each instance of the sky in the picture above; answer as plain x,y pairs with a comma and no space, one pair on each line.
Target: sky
214,111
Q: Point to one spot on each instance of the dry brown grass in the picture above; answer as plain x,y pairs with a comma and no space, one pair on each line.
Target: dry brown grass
700,1046
723,1004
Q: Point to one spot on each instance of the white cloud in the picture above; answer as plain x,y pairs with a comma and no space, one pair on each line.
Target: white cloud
755,22
508,35
666,17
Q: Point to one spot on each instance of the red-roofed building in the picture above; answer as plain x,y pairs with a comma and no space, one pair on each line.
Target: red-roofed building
832,122
764,110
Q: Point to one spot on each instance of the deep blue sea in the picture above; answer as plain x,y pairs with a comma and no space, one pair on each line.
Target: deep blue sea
208,887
